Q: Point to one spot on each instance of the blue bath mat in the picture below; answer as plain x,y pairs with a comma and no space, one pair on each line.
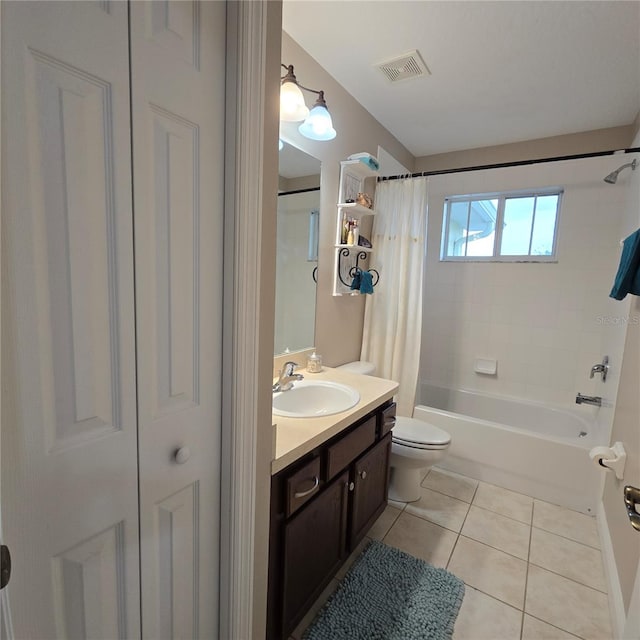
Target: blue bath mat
389,595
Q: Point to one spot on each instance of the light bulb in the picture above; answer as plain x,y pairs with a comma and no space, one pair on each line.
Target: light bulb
292,106
318,125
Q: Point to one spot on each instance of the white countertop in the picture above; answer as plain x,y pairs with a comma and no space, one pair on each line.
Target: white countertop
296,436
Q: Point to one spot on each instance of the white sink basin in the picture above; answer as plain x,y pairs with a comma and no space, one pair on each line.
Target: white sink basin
311,398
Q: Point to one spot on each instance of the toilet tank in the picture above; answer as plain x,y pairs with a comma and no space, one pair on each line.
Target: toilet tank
359,366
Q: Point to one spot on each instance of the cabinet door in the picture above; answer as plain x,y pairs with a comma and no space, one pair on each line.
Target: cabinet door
371,476
314,548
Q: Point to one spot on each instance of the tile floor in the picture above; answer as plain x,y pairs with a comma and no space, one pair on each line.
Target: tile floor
532,570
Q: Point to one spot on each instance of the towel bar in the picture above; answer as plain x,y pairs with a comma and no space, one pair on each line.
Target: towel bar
360,255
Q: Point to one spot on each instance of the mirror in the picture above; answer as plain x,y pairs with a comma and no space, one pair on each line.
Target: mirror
297,250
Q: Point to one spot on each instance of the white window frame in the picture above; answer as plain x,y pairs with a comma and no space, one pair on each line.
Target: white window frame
502,197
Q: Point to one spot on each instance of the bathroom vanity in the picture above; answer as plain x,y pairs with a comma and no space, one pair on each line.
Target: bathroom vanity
326,493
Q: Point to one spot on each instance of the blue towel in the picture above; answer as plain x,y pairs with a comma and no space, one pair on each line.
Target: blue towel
357,279
366,282
628,276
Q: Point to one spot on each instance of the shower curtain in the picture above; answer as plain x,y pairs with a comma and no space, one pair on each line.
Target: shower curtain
393,315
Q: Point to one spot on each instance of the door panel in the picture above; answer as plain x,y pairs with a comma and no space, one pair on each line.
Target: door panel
178,58
69,450
177,534
177,260
87,585
74,223
176,28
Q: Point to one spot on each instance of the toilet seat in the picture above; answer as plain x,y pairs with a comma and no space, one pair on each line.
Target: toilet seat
416,434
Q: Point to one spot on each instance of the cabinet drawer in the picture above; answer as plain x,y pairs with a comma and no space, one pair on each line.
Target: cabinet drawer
303,485
387,419
350,447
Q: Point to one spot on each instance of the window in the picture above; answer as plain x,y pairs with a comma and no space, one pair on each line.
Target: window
512,226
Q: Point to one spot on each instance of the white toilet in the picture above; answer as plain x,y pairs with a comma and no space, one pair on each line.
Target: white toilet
359,366
415,447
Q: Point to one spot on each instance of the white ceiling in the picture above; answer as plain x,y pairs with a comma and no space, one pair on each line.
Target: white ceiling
502,71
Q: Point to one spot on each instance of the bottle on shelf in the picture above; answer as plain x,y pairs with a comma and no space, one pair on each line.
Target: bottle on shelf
350,235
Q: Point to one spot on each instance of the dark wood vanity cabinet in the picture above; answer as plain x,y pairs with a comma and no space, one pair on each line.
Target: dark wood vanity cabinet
321,507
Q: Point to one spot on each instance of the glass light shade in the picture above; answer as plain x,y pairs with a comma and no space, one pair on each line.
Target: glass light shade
318,125
280,145
292,106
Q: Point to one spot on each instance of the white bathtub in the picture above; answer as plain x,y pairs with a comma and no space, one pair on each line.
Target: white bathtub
524,446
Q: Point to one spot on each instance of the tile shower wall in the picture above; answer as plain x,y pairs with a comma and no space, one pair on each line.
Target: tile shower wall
545,323
619,314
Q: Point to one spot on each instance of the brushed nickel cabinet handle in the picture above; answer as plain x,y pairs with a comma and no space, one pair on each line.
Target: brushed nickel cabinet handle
303,494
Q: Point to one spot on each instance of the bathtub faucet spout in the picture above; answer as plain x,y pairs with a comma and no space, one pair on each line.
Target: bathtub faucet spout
594,400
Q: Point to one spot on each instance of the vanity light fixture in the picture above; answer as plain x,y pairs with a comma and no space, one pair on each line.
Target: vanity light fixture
317,123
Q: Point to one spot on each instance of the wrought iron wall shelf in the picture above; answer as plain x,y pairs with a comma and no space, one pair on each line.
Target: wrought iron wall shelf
345,252
349,259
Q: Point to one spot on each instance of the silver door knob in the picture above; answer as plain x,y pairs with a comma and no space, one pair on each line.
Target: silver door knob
182,455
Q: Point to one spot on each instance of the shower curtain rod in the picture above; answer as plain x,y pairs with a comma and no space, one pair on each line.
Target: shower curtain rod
290,193
519,163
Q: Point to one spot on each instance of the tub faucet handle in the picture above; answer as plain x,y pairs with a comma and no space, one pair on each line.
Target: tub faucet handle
602,368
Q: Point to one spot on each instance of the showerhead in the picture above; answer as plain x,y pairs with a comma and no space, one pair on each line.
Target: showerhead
613,176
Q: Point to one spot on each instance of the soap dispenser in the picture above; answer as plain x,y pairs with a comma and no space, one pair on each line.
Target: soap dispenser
314,363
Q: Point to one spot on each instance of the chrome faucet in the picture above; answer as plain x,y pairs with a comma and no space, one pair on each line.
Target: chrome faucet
594,400
287,377
602,369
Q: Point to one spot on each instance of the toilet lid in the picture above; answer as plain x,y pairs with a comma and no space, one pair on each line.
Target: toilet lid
416,432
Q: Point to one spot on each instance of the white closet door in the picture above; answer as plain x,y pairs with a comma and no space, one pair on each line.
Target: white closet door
178,89
69,471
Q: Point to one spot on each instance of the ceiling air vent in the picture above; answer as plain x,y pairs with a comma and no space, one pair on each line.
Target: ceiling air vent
409,65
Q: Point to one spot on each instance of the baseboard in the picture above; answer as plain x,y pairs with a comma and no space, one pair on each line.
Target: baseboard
616,603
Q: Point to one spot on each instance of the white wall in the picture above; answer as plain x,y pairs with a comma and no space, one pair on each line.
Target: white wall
546,324
553,147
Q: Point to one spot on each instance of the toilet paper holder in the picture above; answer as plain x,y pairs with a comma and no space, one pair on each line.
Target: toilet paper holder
611,458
